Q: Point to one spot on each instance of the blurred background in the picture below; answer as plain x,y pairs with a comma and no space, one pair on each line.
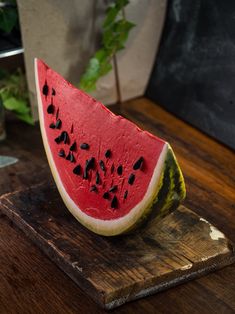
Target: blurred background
178,53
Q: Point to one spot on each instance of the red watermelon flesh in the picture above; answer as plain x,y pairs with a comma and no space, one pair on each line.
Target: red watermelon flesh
102,163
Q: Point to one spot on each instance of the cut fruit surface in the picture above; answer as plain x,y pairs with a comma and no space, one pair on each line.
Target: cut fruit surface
111,174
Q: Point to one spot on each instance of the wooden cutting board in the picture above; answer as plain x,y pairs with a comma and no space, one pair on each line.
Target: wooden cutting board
116,270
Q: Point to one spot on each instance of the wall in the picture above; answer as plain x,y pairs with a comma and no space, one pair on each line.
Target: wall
65,33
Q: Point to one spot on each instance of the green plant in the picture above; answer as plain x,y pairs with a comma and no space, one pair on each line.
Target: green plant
13,87
115,33
8,16
14,94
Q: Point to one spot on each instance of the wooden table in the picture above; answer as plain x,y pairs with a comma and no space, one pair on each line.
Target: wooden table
31,283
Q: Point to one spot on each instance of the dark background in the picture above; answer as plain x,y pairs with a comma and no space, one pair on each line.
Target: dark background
194,74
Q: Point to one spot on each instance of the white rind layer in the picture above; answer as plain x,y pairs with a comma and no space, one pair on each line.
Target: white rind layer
103,227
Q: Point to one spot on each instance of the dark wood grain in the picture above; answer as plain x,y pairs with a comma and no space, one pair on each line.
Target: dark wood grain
113,271
30,283
24,143
54,292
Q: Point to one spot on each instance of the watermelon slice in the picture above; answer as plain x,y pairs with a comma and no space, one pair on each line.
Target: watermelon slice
111,175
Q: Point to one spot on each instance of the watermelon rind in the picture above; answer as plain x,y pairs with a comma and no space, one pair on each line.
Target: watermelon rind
169,194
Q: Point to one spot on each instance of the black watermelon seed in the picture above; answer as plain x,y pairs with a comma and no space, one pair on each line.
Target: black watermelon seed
45,89
102,166
73,146
52,125
119,170
61,153
84,146
50,109
71,131
53,92
70,157
112,168
64,137
57,114
93,188
58,139
85,175
97,178
138,164
58,124
106,195
90,163
125,195
77,170
107,153
131,179
113,188
114,203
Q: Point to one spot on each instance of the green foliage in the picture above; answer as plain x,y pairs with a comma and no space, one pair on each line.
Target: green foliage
13,87
14,95
115,33
8,17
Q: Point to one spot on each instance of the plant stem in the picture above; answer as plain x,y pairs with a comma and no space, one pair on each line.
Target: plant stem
117,81
115,64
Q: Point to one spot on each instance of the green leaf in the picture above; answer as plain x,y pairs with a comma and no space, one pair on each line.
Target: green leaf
87,86
14,95
8,19
4,94
115,37
101,55
123,26
108,38
120,4
105,68
98,66
26,118
18,105
112,12
93,68
123,30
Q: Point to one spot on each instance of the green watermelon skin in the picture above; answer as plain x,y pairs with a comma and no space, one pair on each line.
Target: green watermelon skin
170,193
158,185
